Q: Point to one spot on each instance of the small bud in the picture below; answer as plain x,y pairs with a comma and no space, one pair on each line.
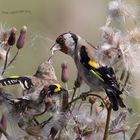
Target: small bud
21,39
65,72
12,37
92,99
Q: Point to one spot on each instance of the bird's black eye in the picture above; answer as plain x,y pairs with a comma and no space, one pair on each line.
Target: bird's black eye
52,88
60,41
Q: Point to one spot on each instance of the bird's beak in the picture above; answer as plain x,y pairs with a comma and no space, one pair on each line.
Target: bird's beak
55,47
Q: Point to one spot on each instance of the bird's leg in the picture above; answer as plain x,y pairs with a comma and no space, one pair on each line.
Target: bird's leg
91,108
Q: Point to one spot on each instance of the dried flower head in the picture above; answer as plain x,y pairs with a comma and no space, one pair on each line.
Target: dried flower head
21,38
12,37
134,36
4,37
46,70
110,35
120,11
2,54
65,72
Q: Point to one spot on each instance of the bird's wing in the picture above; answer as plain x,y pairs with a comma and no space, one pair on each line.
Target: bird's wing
104,73
24,81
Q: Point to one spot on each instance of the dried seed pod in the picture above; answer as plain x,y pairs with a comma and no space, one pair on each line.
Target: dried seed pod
65,72
21,38
12,37
92,99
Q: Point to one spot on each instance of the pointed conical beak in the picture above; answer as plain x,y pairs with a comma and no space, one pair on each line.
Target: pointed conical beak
55,47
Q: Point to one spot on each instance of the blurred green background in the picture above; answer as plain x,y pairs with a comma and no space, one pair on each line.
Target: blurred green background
46,19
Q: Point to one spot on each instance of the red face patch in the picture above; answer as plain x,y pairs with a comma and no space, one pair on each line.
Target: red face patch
61,41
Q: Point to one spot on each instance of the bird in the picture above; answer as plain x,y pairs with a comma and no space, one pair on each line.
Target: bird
33,84
24,102
35,87
97,75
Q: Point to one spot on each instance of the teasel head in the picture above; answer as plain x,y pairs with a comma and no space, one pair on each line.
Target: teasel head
64,72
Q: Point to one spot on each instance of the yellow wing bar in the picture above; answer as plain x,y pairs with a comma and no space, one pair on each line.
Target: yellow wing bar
93,64
97,74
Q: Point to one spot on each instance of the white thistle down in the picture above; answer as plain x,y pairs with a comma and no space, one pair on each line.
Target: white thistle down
120,11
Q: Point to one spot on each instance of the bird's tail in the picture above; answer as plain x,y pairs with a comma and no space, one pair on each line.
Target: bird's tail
115,99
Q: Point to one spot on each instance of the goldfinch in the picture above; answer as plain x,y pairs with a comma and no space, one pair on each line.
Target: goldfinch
24,102
97,75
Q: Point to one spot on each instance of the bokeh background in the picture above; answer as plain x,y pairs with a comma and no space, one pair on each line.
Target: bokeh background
46,19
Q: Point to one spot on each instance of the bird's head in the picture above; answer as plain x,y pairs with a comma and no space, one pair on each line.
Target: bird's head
53,89
66,43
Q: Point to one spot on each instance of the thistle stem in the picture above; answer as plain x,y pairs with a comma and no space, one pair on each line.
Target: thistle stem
74,92
13,58
6,59
137,130
107,122
4,132
91,108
